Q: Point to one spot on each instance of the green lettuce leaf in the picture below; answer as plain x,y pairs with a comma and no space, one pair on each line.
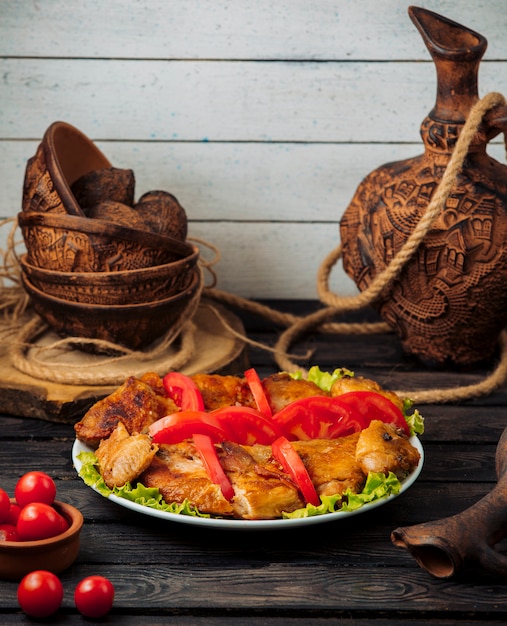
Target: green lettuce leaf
324,380
145,496
414,420
377,486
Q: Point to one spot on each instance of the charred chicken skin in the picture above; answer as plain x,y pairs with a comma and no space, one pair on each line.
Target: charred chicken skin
137,403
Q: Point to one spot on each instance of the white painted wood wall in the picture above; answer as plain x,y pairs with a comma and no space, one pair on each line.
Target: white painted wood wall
261,117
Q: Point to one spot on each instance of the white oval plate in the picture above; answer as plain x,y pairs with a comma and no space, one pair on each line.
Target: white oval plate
235,524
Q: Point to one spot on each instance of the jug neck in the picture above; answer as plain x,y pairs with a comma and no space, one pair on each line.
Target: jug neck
456,52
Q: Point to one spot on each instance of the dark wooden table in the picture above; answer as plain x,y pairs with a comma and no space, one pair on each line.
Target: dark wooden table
347,571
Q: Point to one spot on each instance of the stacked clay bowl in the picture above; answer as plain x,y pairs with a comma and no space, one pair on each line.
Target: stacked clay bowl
97,264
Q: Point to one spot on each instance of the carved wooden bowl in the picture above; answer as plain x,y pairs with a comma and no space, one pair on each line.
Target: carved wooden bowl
70,243
123,287
132,325
18,558
64,155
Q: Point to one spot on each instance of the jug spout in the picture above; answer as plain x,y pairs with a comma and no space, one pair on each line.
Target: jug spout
430,548
456,51
446,546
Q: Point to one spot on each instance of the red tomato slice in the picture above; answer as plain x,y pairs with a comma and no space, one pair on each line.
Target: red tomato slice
292,464
246,426
183,391
374,406
211,462
177,427
257,389
318,417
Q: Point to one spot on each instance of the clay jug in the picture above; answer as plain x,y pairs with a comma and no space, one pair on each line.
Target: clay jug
449,303
468,539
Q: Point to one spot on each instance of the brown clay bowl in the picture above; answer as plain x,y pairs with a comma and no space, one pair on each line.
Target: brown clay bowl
64,155
18,558
132,325
70,243
123,287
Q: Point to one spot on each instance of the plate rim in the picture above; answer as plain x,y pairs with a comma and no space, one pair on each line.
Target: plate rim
238,524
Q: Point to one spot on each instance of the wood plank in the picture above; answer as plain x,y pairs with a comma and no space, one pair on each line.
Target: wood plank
349,30
217,101
235,181
265,619
293,589
266,260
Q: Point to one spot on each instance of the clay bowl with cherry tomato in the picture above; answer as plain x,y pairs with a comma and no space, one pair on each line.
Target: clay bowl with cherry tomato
55,554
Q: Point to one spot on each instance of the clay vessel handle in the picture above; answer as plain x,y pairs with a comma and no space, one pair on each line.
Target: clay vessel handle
496,122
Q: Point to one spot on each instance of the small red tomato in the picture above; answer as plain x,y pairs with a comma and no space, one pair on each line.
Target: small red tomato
94,596
39,521
5,505
8,532
35,487
40,593
12,518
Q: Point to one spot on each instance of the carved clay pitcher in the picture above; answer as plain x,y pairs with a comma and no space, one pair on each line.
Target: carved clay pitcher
449,303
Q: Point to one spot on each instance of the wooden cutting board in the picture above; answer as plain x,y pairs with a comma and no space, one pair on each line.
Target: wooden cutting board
217,350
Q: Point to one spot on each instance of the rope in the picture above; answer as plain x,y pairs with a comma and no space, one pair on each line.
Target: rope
30,358
339,304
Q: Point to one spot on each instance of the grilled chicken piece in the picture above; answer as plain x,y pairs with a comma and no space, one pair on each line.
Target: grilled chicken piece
359,383
122,457
332,464
218,391
261,489
137,404
281,389
384,448
177,471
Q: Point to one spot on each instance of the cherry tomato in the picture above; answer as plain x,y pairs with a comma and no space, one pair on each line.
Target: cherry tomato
291,462
318,417
8,532
35,487
183,391
94,596
211,462
183,425
39,521
13,516
40,593
374,406
257,389
5,506
247,426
